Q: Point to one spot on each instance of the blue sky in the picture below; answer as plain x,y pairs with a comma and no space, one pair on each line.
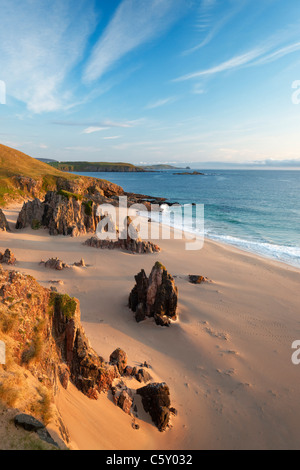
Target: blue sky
149,81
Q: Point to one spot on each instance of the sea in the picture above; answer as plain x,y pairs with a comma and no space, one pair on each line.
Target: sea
255,210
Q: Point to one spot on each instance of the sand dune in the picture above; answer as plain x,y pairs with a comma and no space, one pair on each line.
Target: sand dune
227,360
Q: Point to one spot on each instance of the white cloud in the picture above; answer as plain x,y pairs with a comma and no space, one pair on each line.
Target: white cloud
91,130
113,137
135,22
255,57
41,41
278,54
162,102
233,63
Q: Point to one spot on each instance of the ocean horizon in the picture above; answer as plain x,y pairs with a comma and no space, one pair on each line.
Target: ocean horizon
257,211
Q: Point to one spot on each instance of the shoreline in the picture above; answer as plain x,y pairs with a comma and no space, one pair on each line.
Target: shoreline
280,263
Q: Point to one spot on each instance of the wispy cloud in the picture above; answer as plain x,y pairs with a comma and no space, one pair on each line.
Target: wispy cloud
162,102
211,23
100,125
232,63
134,23
278,54
255,57
112,137
91,130
41,41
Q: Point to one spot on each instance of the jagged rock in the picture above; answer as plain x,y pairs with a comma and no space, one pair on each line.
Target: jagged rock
3,222
51,343
63,213
143,376
196,279
128,239
154,297
128,371
156,402
134,246
32,213
64,376
7,257
119,358
56,263
27,422
125,401
138,296
88,371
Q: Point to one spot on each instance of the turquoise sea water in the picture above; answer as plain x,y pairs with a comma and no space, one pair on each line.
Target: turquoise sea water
258,211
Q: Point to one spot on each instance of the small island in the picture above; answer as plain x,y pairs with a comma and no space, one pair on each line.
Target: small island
188,173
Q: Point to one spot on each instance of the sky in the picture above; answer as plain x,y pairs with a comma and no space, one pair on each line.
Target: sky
152,81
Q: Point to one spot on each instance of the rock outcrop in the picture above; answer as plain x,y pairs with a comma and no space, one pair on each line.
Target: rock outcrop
61,212
132,246
156,296
128,239
55,263
197,279
47,338
156,402
3,222
119,358
59,265
7,257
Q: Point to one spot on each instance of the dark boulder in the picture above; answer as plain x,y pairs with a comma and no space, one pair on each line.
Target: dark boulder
27,422
156,402
196,279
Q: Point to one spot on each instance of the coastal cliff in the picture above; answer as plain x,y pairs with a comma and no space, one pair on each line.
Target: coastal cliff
45,344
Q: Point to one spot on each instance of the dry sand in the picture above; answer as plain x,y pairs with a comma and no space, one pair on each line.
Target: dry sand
227,360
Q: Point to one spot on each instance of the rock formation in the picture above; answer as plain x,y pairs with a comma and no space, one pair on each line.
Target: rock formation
55,263
156,402
128,240
7,257
156,296
119,358
133,246
63,213
51,343
196,279
3,222
59,265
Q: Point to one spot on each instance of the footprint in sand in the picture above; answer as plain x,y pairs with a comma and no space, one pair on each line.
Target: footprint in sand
216,334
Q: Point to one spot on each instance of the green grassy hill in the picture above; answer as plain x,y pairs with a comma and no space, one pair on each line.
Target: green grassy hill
95,166
15,165
14,162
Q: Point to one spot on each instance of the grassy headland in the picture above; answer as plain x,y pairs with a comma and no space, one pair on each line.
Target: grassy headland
22,176
95,167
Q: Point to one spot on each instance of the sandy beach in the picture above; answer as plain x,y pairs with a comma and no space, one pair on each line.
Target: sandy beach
227,360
